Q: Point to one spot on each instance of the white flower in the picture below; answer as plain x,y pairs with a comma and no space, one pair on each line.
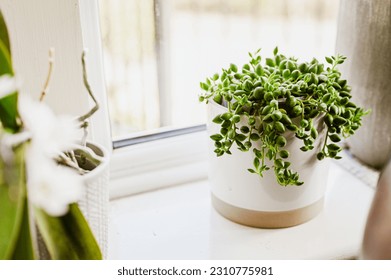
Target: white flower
52,187
50,134
8,141
8,85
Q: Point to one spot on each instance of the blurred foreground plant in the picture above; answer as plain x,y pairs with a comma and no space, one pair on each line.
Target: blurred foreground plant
40,175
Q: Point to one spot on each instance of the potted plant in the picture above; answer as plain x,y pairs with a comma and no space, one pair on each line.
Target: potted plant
89,160
47,178
272,125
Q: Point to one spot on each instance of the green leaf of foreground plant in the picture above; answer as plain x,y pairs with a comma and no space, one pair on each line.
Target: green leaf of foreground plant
8,105
24,246
4,33
12,203
5,60
9,115
68,237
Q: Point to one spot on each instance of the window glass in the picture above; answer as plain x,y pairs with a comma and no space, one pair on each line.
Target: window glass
157,51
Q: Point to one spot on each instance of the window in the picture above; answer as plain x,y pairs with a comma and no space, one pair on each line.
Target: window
157,51
155,54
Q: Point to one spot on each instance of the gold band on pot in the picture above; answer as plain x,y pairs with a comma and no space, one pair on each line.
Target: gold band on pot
266,219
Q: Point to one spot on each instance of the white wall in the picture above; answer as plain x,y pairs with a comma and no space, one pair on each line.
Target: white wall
69,26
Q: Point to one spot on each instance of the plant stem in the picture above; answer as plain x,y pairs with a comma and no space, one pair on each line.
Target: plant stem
325,140
88,87
46,85
67,161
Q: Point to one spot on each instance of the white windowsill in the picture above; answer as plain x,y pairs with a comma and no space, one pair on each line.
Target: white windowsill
180,223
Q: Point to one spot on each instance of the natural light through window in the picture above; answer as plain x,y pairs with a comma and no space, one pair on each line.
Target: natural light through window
156,52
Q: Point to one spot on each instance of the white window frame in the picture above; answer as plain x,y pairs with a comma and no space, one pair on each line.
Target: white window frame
144,166
71,26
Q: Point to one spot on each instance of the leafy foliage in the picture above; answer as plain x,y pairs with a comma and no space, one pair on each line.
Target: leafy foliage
265,101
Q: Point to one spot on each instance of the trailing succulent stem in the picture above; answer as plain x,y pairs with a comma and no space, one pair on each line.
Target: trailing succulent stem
265,101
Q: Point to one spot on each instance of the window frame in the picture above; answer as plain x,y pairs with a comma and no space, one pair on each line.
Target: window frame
163,160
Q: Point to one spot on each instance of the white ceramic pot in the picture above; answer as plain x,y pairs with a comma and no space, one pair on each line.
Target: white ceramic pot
95,202
248,199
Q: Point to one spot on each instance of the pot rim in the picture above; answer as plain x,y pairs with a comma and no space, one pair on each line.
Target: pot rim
104,163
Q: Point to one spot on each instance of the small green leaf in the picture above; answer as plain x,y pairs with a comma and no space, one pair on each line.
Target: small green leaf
231,134
270,154
236,119
333,147
339,121
276,115
251,120
314,132
326,98
248,85
248,144
295,74
258,93
285,119
304,123
281,141
279,163
313,69
270,62
297,110
226,124
217,119
216,137
320,156
279,127
275,51
223,131
256,163
254,137
269,96
335,138
226,116
286,73
328,120
284,154
245,129
259,70
204,86
246,67
292,127
218,98
266,110
303,67
240,137
268,118
291,66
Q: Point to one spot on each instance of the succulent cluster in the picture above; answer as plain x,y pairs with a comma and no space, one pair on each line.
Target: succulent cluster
266,101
